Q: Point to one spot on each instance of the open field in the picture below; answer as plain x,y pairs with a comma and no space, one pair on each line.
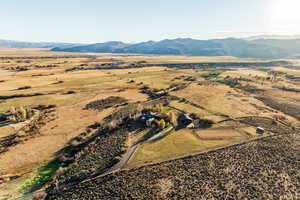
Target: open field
94,105
201,112
183,142
221,134
222,100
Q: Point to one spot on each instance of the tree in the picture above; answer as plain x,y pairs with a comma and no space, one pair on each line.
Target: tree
23,114
161,124
173,118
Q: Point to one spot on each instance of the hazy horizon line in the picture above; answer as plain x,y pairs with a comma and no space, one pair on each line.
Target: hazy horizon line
157,40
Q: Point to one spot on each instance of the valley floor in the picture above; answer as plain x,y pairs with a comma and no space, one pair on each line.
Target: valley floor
89,121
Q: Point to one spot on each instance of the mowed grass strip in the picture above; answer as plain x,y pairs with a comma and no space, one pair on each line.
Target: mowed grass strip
220,134
178,144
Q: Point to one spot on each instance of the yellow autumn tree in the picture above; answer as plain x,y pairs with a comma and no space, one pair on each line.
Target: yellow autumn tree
173,118
161,124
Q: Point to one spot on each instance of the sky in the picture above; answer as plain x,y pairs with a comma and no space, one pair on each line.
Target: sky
143,20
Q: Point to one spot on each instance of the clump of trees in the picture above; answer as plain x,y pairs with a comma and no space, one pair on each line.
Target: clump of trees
20,114
104,103
211,75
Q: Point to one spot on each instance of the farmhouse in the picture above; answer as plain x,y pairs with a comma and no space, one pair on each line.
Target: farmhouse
150,121
149,118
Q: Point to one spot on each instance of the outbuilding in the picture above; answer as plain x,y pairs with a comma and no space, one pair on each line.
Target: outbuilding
260,130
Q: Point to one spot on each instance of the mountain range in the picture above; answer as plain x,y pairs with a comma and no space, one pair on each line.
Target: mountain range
263,47
259,48
19,44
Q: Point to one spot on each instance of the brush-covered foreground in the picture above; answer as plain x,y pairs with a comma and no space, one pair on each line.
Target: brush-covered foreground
264,169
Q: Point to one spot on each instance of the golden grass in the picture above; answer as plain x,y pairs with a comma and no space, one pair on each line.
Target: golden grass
84,83
6,130
204,114
183,59
244,73
220,99
68,122
59,100
287,70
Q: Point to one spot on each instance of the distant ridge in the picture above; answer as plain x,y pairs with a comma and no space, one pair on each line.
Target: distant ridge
259,47
21,44
106,47
274,37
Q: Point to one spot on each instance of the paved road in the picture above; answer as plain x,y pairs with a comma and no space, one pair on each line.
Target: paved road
160,134
125,159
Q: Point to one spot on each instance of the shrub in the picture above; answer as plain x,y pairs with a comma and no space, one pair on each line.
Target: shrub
70,92
211,75
24,88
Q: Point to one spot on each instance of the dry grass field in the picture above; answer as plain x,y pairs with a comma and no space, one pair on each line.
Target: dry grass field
221,100
37,78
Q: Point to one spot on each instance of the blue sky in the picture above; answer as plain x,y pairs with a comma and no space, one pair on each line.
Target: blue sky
141,20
